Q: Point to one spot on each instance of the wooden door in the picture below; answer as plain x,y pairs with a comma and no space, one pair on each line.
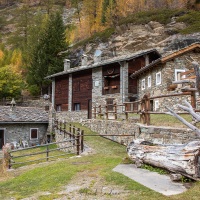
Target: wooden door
1,138
89,109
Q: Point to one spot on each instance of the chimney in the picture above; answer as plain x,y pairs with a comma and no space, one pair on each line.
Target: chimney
13,105
84,60
66,64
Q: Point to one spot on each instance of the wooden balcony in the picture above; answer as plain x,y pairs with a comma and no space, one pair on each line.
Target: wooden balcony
111,89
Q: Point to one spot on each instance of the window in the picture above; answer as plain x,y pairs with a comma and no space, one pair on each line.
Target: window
77,106
58,108
149,81
143,84
34,133
156,105
178,74
158,78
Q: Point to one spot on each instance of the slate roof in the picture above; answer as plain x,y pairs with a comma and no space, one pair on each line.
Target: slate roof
23,115
105,62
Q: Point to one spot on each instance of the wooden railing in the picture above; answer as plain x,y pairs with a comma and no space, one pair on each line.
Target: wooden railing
141,107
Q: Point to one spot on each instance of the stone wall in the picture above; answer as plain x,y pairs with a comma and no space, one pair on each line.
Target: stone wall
67,146
167,76
72,116
17,132
158,135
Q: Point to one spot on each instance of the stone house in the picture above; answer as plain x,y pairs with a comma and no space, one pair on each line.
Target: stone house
157,77
18,124
103,81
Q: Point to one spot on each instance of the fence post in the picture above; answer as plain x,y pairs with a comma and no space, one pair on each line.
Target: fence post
78,143
142,115
193,100
47,152
147,109
82,138
100,114
73,134
115,110
126,113
106,111
65,126
95,112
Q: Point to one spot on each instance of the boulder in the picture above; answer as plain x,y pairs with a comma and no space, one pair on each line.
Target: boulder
154,24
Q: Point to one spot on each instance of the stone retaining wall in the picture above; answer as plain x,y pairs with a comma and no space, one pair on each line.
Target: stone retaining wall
158,135
72,116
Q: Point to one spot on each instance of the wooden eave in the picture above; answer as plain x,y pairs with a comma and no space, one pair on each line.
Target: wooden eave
180,52
165,59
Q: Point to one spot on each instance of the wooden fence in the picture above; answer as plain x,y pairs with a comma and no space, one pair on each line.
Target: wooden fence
73,139
141,107
73,133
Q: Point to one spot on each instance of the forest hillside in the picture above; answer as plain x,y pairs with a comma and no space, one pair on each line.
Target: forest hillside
36,35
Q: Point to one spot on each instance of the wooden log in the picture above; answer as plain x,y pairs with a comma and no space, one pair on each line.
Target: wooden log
181,159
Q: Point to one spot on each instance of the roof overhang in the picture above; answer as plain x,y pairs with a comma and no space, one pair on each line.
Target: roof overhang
165,59
23,122
104,62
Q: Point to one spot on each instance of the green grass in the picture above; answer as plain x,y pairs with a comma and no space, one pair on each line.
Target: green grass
33,159
99,36
162,15
53,176
192,19
165,120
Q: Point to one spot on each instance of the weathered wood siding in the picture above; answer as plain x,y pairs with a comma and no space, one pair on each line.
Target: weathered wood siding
61,92
82,88
133,66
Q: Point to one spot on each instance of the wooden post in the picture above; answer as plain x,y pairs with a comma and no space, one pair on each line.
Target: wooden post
126,109
95,112
106,111
78,143
47,152
142,115
70,131
9,160
65,126
193,99
73,134
100,110
147,109
82,138
197,73
115,110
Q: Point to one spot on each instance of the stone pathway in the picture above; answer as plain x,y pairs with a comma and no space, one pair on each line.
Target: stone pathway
152,180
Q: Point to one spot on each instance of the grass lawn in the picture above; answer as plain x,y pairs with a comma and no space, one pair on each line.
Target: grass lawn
165,120
53,154
53,176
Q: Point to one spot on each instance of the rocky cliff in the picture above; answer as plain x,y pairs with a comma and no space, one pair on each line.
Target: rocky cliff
131,38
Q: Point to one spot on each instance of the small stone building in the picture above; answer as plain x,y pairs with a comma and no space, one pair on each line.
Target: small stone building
19,124
157,78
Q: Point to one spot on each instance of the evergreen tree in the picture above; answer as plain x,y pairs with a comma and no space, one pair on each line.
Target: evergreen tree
46,58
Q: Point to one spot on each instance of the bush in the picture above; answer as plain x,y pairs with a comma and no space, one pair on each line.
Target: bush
34,90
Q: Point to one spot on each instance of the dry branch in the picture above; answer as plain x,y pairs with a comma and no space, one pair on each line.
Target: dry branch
194,128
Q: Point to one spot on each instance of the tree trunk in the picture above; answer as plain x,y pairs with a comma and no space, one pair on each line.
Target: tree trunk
183,159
